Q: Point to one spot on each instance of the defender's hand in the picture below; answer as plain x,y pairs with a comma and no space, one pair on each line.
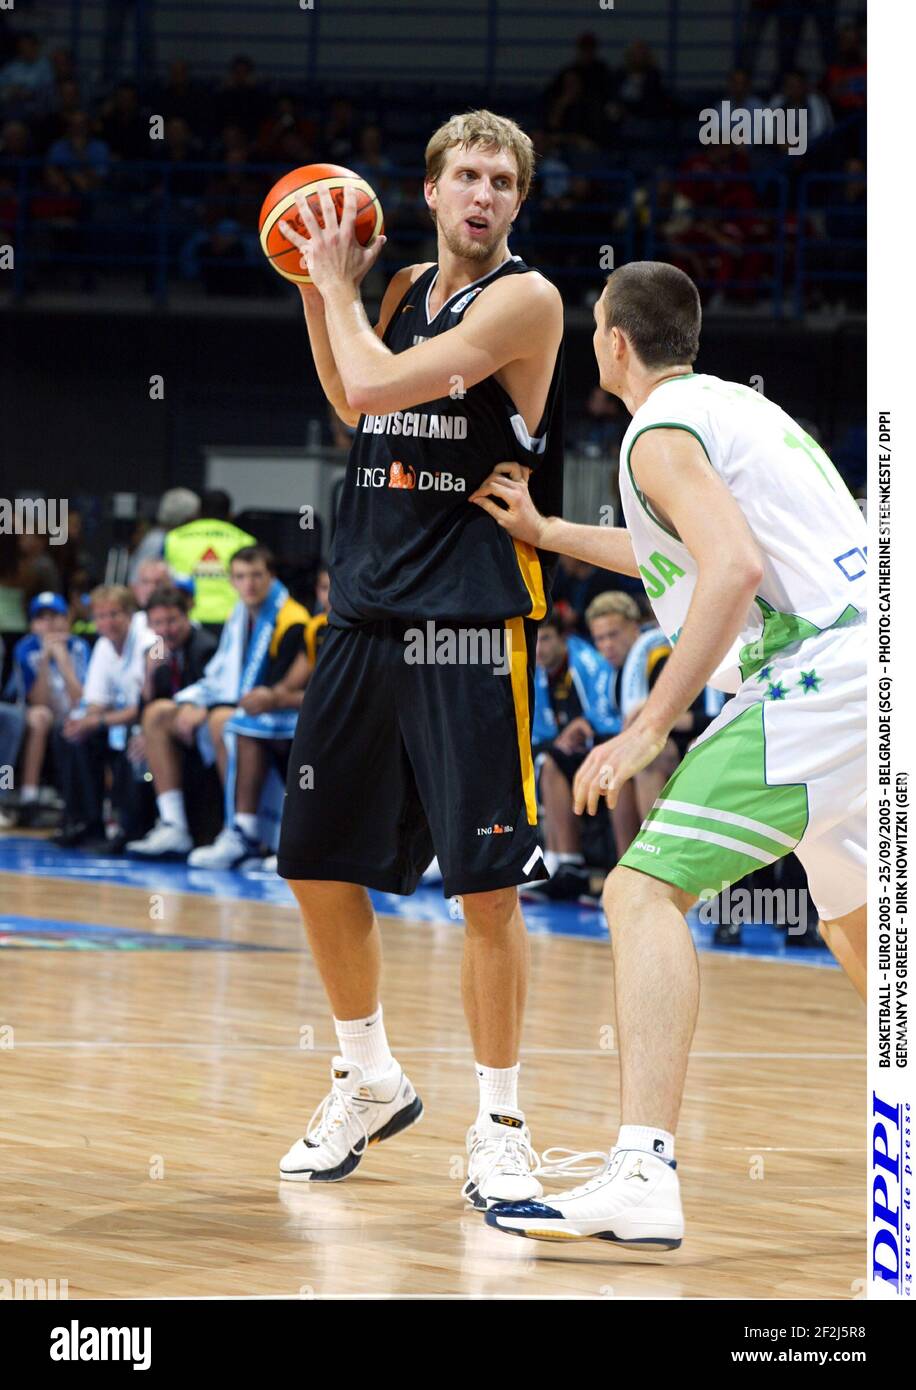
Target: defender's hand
520,517
611,764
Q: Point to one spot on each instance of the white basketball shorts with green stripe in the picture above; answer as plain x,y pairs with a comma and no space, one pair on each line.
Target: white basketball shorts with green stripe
781,768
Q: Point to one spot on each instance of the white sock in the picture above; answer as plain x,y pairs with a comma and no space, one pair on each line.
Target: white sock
28,793
247,822
170,806
653,1141
363,1041
498,1087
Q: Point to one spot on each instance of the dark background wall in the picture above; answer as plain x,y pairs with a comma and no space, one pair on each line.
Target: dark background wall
77,416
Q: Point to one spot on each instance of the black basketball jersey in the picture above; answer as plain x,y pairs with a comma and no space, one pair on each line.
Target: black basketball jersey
408,543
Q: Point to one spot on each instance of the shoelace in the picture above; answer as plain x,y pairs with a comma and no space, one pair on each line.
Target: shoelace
515,1155
335,1110
577,1163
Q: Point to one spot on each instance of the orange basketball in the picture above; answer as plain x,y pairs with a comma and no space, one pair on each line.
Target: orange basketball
281,203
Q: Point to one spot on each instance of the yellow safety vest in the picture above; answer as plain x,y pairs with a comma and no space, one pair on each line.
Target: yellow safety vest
202,549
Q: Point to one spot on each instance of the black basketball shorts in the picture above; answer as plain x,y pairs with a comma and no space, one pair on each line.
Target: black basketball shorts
414,739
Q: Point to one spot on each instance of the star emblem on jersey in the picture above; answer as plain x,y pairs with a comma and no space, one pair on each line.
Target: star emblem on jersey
776,691
764,673
810,680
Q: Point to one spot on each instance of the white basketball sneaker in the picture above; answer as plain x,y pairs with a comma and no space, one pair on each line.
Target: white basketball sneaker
501,1161
228,850
350,1118
635,1202
164,841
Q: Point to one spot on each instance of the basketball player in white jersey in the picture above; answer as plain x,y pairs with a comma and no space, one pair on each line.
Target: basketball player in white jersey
753,553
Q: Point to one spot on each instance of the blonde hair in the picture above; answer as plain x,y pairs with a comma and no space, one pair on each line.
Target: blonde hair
482,128
613,601
117,594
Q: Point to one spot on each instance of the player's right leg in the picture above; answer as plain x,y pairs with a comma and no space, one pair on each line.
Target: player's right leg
351,820
370,1098
846,937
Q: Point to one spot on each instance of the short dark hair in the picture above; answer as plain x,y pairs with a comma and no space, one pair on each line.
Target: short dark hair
657,306
170,596
251,554
552,620
215,503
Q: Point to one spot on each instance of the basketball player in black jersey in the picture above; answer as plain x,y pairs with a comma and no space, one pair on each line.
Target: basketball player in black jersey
414,736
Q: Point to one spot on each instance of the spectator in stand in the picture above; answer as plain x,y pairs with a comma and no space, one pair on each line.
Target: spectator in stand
150,575
95,734
637,89
797,93
247,676
49,668
79,163
316,629
241,99
37,569
285,132
341,132
577,583
26,81
176,506
576,98
846,82
790,16
181,97
201,550
177,658
65,102
739,94
573,710
179,150
124,128
603,426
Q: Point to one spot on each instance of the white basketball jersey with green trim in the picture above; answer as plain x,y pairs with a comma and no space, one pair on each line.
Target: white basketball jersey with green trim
811,533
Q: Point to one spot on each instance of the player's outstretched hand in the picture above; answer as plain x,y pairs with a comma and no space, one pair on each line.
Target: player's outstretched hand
611,764
330,253
519,516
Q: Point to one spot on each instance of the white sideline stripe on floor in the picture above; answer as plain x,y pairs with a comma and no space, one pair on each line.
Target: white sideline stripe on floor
423,1051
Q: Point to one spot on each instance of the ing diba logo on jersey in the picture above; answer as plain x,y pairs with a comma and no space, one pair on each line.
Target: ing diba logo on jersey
403,477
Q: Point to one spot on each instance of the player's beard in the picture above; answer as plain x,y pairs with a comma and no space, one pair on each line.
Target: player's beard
461,245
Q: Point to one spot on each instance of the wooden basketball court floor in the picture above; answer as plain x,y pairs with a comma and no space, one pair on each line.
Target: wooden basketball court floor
146,1095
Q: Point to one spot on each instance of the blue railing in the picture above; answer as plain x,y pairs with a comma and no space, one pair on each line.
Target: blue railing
750,237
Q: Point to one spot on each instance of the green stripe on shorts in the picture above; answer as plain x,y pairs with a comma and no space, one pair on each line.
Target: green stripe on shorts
717,819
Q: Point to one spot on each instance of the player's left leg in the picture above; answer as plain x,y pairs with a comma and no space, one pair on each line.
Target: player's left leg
494,987
635,1200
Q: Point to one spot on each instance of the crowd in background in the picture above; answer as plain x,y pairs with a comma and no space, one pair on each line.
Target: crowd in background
710,208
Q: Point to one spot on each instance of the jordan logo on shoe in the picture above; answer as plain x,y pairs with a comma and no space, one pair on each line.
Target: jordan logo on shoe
637,1172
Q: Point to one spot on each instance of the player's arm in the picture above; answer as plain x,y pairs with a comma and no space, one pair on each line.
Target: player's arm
322,353
512,322
608,547
672,471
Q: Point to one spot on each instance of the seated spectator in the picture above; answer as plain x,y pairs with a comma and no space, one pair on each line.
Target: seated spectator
638,654
177,658
577,583
94,736
341,132
247,676
241,100
636,88
796,93
12,728
846,81
316,629
79,163
65,102
124,128
201,549
573,710
739,95
181,96
49,668
27,80
151,574
604,425
285,133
